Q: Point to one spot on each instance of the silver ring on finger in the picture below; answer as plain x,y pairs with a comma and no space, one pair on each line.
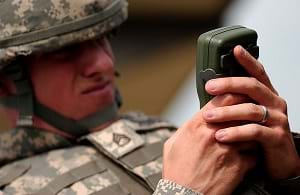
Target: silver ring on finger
265,115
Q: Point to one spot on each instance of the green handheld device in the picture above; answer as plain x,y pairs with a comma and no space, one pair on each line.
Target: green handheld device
215,55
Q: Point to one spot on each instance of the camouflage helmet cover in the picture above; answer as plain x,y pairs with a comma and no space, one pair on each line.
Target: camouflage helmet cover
29,26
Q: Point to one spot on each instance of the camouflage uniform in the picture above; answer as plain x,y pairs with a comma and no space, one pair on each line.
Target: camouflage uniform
124,158
120,159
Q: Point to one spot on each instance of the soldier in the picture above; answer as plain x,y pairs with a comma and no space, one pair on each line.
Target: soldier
57,87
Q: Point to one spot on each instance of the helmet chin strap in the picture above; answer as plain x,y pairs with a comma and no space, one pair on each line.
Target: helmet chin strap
73,127
24,100
28,106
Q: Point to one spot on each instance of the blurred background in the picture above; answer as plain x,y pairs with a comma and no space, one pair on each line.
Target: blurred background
155,51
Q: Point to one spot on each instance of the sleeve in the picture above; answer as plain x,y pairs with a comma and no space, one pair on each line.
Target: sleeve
166,187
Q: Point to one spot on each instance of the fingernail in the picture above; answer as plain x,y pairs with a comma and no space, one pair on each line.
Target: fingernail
211,85
243,51
209,114
220,135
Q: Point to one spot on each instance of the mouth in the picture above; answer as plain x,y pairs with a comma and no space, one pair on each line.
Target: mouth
97,88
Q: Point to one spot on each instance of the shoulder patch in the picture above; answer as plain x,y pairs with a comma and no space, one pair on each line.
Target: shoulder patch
118,139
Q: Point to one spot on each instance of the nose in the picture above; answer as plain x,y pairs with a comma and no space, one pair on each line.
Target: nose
95,60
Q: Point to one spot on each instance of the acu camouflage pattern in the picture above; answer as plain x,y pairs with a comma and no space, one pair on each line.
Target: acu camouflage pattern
23,142
47,167
166,187
19,18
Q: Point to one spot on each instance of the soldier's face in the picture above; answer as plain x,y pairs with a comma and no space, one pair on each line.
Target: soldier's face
75,81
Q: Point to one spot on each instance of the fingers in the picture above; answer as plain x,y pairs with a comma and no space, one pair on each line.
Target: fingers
252,66
280,155
241,112
245,86
218,101
226,100
244,112
249,132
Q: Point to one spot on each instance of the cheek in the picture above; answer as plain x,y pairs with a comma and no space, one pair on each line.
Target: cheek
41,80
48,81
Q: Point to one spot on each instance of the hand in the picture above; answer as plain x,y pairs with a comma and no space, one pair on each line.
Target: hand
274,135
194,159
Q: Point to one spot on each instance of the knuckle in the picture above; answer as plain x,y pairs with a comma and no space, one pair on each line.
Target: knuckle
207,136
255,84
252,79
222,111
255,130
283,120
192,126
250,84
220,160
229,98
195,130
261,70
283,104
235,131
227,84
254,110
224,154
281,136
226,151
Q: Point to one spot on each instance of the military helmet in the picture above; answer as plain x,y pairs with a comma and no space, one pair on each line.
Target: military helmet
29,26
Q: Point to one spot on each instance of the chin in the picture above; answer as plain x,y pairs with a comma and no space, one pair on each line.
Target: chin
92,105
